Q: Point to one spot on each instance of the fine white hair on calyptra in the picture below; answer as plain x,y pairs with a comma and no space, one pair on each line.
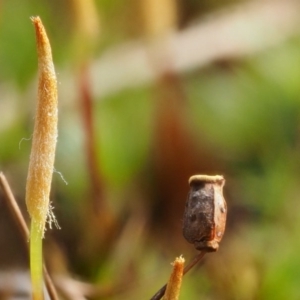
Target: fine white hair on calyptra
51,217
24,139
61,176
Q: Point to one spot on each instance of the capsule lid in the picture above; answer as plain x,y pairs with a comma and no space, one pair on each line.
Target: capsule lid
207,178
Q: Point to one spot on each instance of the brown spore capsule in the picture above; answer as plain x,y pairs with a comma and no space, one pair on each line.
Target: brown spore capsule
205,212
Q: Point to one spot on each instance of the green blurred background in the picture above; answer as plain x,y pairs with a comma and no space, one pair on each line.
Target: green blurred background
128,143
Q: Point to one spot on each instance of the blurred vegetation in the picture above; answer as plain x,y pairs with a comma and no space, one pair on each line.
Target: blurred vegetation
127,163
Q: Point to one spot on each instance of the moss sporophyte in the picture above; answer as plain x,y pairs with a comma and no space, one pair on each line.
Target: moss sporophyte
42,156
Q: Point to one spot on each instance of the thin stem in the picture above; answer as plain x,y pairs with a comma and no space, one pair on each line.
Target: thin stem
49,284
14,208
20,221
97,198
36,261
197,258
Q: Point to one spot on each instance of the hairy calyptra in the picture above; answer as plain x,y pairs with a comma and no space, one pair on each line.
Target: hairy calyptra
44,138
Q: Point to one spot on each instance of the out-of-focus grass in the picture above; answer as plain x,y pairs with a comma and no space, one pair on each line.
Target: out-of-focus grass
125,123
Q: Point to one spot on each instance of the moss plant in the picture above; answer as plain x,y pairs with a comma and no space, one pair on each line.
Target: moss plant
42,157
174,284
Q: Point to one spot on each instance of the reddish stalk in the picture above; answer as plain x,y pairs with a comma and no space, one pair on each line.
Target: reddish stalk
90,143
